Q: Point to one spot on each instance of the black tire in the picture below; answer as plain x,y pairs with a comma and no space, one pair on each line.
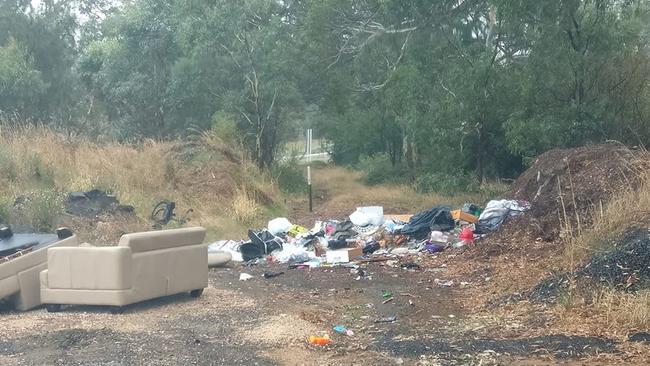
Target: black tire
196,293
53,308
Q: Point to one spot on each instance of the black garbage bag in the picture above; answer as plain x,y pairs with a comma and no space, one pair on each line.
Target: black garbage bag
337,244
261,243
421,224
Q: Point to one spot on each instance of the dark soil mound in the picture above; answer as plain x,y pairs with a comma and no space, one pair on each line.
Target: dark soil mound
95,203
626,267
564,186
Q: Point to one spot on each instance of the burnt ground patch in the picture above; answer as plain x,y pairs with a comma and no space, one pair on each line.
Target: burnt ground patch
625,268
558,346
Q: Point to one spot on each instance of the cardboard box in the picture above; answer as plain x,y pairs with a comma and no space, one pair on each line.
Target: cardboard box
343,255
404,218
464,216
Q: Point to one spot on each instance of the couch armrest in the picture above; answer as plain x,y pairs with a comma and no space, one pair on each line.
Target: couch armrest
43,278
89,268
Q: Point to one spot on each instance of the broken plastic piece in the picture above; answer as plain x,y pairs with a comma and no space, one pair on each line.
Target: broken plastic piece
245,277
320,341
343,330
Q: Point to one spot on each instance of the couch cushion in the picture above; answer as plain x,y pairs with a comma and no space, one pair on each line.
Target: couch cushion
90,268
163,239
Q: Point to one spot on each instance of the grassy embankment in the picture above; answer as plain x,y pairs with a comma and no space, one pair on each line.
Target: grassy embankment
226,191
610,309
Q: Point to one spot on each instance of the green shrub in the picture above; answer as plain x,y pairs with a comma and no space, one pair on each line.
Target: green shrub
378,169
446,183
290,177
43,210
224,126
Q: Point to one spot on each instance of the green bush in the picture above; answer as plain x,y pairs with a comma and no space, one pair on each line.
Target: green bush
378,169
43,210
224,126
445,183
290,177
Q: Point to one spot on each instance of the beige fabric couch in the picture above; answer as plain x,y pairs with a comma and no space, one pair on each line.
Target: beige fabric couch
19,277
143,266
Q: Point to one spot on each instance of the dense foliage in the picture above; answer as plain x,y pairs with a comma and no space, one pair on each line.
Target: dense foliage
422,89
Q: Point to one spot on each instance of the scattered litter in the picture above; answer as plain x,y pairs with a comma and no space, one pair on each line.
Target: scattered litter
388,300
343,330
390,319
410,265
319,341
269,274
245,277
443,283
432,248
386,294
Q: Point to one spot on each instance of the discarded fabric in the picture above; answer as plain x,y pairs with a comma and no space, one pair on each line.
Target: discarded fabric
420,225
496,212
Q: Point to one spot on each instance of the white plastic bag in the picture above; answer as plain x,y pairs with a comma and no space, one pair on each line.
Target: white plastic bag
360,218
279,226
370,215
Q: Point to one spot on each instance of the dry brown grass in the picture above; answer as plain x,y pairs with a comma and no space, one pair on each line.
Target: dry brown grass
609,309
628,209
36,159
626,310
345,186
244,207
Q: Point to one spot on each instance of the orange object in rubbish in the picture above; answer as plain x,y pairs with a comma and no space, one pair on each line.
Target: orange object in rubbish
467,235
321,341
464,216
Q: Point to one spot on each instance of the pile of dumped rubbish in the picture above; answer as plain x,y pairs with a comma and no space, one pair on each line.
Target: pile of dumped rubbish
369,235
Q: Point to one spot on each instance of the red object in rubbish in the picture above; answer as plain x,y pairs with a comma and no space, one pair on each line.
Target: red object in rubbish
467,235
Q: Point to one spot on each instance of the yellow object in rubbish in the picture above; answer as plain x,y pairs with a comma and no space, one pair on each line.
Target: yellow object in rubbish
296,229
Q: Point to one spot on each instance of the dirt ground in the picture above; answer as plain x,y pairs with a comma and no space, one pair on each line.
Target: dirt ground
452,310
268,321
